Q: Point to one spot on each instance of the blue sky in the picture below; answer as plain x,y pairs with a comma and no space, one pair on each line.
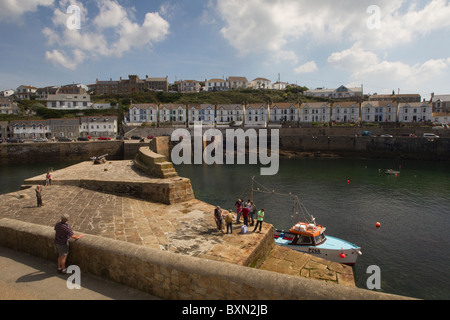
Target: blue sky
384,45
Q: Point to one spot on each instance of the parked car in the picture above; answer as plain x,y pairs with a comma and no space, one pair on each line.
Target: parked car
387,136
366,133
135,138
40,140
409,135
15,140
430,135
150,137
64,139
83,139
119,138
1,140
104,138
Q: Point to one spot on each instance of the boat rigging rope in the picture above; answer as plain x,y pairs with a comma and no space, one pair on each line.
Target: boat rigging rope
298,206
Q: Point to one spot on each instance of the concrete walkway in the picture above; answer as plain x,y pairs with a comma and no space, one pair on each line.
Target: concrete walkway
25,277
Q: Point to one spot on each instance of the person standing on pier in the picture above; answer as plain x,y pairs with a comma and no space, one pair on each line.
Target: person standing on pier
259,220
62,236
229,221
218,217
39,195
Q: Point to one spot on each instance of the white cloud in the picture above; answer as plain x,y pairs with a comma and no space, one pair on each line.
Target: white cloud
13,10
366,67
308,67
112,33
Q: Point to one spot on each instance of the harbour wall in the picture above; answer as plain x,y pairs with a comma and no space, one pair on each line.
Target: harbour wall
171,276
297,142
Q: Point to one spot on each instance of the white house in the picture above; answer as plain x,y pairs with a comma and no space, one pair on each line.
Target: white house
29,129
256,115
8,107
7,93
441,117
172,113
415,112
283,112
340,93
143,113
228,113
205,113
216,85
237,82
379,111
315,112
101,126
25,92
261,83
68,101
279,85
343,112
189,86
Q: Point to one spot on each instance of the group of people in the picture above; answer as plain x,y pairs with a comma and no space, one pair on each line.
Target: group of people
246,210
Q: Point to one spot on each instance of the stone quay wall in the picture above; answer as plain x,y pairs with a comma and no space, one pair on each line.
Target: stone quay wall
170,276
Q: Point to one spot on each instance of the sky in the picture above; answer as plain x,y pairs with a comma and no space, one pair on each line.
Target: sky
385,46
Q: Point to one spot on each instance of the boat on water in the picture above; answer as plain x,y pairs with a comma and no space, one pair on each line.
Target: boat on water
309,237
391,171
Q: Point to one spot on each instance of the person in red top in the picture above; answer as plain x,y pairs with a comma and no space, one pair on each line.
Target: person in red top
245,212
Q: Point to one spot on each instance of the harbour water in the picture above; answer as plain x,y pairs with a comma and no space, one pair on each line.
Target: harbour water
349,197
410,248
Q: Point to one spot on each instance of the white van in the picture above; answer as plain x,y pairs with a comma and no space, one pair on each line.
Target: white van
430,135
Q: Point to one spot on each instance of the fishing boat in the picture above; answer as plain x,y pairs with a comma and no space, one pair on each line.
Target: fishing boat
308,237
391,171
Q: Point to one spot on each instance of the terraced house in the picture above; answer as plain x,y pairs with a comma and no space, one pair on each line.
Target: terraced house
315,112
283,112
143,113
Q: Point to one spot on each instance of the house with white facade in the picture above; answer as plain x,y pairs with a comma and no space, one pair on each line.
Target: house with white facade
217,85
143,113
7,106
441,103
25,92
256,114
204,113
261,83
186,86
379,111
315,112
29,129
280,85
441,117
415,112
237,82
99,126
7,93
283,112
340,93
68,101
175,113
230,113
344,112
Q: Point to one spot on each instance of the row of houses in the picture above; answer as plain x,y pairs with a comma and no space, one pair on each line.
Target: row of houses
57,128
262,114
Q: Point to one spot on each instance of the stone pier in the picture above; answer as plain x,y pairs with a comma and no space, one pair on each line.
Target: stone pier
118,201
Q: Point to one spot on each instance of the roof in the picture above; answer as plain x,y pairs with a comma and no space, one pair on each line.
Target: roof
261,79
283,105
345,104
442,97
230,106
172,106
216,80
238,79
315,104
144,105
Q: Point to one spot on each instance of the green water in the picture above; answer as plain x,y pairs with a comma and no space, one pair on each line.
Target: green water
411,247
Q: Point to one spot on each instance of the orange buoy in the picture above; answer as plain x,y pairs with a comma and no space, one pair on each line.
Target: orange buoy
378,224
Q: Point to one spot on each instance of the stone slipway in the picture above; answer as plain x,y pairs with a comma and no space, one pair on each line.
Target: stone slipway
186,227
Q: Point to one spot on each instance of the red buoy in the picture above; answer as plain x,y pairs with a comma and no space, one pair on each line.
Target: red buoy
348,181
378,224
342,255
